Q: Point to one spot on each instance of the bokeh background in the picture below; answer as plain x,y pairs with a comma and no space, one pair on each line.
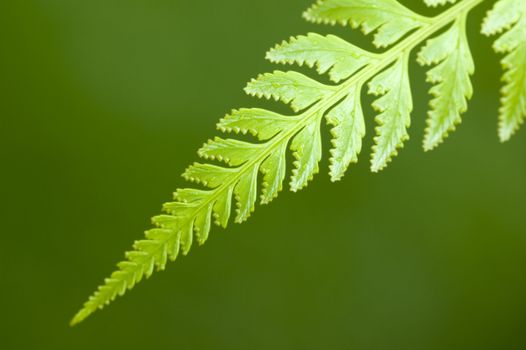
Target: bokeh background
103,104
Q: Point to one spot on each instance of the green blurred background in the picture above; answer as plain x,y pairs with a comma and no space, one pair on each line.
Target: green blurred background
103,104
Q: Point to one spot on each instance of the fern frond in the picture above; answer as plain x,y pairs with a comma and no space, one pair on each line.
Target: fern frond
231,173
510,16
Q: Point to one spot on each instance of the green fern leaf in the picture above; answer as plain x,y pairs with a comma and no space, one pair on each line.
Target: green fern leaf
348,131
190,215
232,152
223,206
306,147
329,53
274,170
510,16
289,87
454,66
389,18
246,194
258,122
208,175
395,107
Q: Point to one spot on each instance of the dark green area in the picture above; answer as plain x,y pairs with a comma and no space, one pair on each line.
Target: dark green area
102,106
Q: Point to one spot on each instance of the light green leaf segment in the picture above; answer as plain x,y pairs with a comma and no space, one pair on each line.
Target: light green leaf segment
509,16
235,171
